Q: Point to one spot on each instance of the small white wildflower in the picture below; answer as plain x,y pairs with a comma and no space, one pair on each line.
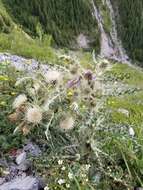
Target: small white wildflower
87,166
60,162
74,106
67,185
63,168
19,101
86,179
67,124
47,188
70,175
83,175
131,131
34,115
61,181
52,76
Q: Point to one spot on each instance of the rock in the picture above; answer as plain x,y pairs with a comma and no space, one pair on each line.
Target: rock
23,183
32,149
2,180
124,111
3,163
24,166
19,62
82,41
13,172
131,132
21,158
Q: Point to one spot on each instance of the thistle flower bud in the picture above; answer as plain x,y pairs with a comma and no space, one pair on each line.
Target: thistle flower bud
34,115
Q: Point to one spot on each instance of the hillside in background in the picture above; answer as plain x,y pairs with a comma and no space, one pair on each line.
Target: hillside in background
6,22
62,19
66,20
130,26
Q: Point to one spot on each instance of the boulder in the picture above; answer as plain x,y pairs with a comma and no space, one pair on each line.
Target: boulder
21,158
23,183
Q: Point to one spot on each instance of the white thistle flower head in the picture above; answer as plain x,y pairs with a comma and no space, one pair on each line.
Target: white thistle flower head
53,76
19,101
67,123
34,115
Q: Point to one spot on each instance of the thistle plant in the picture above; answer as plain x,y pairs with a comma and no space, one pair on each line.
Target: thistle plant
60,95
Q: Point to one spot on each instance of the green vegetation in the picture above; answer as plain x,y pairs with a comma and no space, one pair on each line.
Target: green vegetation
62,19
105,15
14,40
118,133
18,42
6,23
131,103
8,78
130,26
85,115
126,74
65,20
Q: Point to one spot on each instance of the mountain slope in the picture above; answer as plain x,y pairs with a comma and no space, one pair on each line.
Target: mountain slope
66,20
130,26
6,22
62,19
